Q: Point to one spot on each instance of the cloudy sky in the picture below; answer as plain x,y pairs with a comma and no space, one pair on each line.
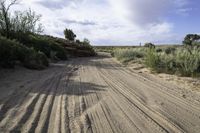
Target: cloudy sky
119,22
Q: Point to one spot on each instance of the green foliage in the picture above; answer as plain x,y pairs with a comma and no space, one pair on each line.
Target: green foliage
35,60
59,51
33,49
69,34
166,63
5,17
149,45
183,61
74,49
12,51
45,45
26,22
38,43
188,61
126,55
158,50
78,41
85,44
21,22
7,53
190,39
170,50
152,59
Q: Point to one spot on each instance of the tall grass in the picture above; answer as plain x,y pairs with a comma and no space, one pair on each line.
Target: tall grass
183,61
174,60
152,58
126,55
188,61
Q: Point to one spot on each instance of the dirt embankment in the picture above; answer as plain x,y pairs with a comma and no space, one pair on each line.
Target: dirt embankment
94,95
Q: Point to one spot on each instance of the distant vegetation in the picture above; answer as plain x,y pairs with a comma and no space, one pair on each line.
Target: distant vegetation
21,40
149,45
69,35
127,55
183,60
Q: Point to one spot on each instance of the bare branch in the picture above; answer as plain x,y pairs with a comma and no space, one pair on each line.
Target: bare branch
13,2
2,4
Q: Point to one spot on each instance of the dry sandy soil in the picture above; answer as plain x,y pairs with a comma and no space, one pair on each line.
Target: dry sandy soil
94,95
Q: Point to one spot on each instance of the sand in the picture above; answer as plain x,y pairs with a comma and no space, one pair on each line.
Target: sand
95,95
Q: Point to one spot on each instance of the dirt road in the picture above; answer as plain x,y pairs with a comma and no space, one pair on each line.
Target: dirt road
94,95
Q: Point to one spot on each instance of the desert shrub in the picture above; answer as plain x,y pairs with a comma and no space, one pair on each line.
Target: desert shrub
152,59
196,44
149,45
170,50
188,61
45,45
35,60
112,54
160,62
86,46
159,50
59,51
39,44
74,49
12,51
183,61
126,55
167,63
7,53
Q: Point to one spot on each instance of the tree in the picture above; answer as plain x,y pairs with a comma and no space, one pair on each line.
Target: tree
20,23
69,34
190,39
5,19
26,22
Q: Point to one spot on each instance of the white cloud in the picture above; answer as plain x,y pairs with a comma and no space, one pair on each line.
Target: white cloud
143,12
104,22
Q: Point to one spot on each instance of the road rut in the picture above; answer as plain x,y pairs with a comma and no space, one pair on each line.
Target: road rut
94,95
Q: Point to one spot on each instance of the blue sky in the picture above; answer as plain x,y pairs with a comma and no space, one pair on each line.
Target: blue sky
119,22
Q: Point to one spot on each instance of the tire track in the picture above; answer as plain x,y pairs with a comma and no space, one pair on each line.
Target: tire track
15,114
33,123
179,106
126,96
96,95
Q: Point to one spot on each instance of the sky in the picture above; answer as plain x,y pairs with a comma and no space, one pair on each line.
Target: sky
118,22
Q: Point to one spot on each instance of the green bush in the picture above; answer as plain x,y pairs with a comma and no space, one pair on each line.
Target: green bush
167,63
7,53
12,51
160,62
35,60
59,51
152,59
170,50
149,45
188,61
39,44
159,50
126,55
183,61
74,49
46,45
